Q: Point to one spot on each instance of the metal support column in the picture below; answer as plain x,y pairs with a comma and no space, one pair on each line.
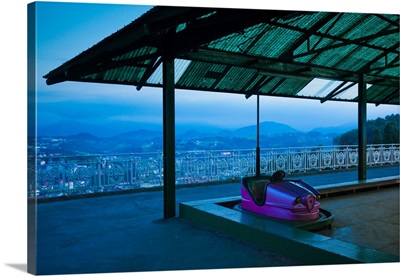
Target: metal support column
258,153
362,129
169,136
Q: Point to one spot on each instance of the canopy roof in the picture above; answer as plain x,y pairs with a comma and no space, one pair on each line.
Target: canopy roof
316,55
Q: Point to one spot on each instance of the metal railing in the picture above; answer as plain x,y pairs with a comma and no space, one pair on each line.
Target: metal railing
70,175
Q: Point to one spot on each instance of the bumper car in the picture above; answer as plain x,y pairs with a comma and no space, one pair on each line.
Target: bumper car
278,198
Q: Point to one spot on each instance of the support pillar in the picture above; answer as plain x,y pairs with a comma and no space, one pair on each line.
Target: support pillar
169,136
258,153
362,129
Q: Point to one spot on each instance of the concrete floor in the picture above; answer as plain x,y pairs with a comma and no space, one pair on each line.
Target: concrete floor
126,233
369,219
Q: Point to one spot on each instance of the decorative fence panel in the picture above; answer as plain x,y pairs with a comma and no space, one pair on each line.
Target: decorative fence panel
69,175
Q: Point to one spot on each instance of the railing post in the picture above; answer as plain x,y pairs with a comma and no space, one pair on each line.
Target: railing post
99,173
392,154
61,171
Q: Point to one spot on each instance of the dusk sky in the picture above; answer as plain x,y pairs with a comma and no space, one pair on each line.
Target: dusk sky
64,33
66,29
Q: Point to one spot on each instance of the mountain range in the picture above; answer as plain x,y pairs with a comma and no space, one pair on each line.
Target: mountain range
57,140
111,129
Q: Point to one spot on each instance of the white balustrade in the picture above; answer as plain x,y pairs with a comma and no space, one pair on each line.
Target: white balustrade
69,175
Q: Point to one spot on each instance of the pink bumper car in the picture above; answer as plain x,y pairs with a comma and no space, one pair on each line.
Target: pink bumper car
278,198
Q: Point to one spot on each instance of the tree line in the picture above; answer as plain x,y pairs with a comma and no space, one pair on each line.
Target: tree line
379,131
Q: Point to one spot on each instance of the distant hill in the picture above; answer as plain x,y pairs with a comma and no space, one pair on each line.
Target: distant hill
139,135
193,134
82,136
107,129
335,129
266,128
110,129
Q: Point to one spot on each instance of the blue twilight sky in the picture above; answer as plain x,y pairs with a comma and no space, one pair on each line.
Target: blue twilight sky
66,29
64,43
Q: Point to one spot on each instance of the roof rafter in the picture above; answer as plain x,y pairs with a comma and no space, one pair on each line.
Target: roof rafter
341,39
393,64
367,66
263,80
384,18
348,42
155,63
339,89
308,33
391,96
332,24
218,25
276,86
263,63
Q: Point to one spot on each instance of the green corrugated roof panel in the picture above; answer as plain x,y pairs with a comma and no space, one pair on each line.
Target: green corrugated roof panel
136,53
352,26
379,94
251,36
228,43
275,43
367,25
344,25
359,60
202,75
240,42
283,87
290,87
375,93
314,43
236,79
391,72
387,40
267,89
124,74
237,42
378,65
306,21
216,78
